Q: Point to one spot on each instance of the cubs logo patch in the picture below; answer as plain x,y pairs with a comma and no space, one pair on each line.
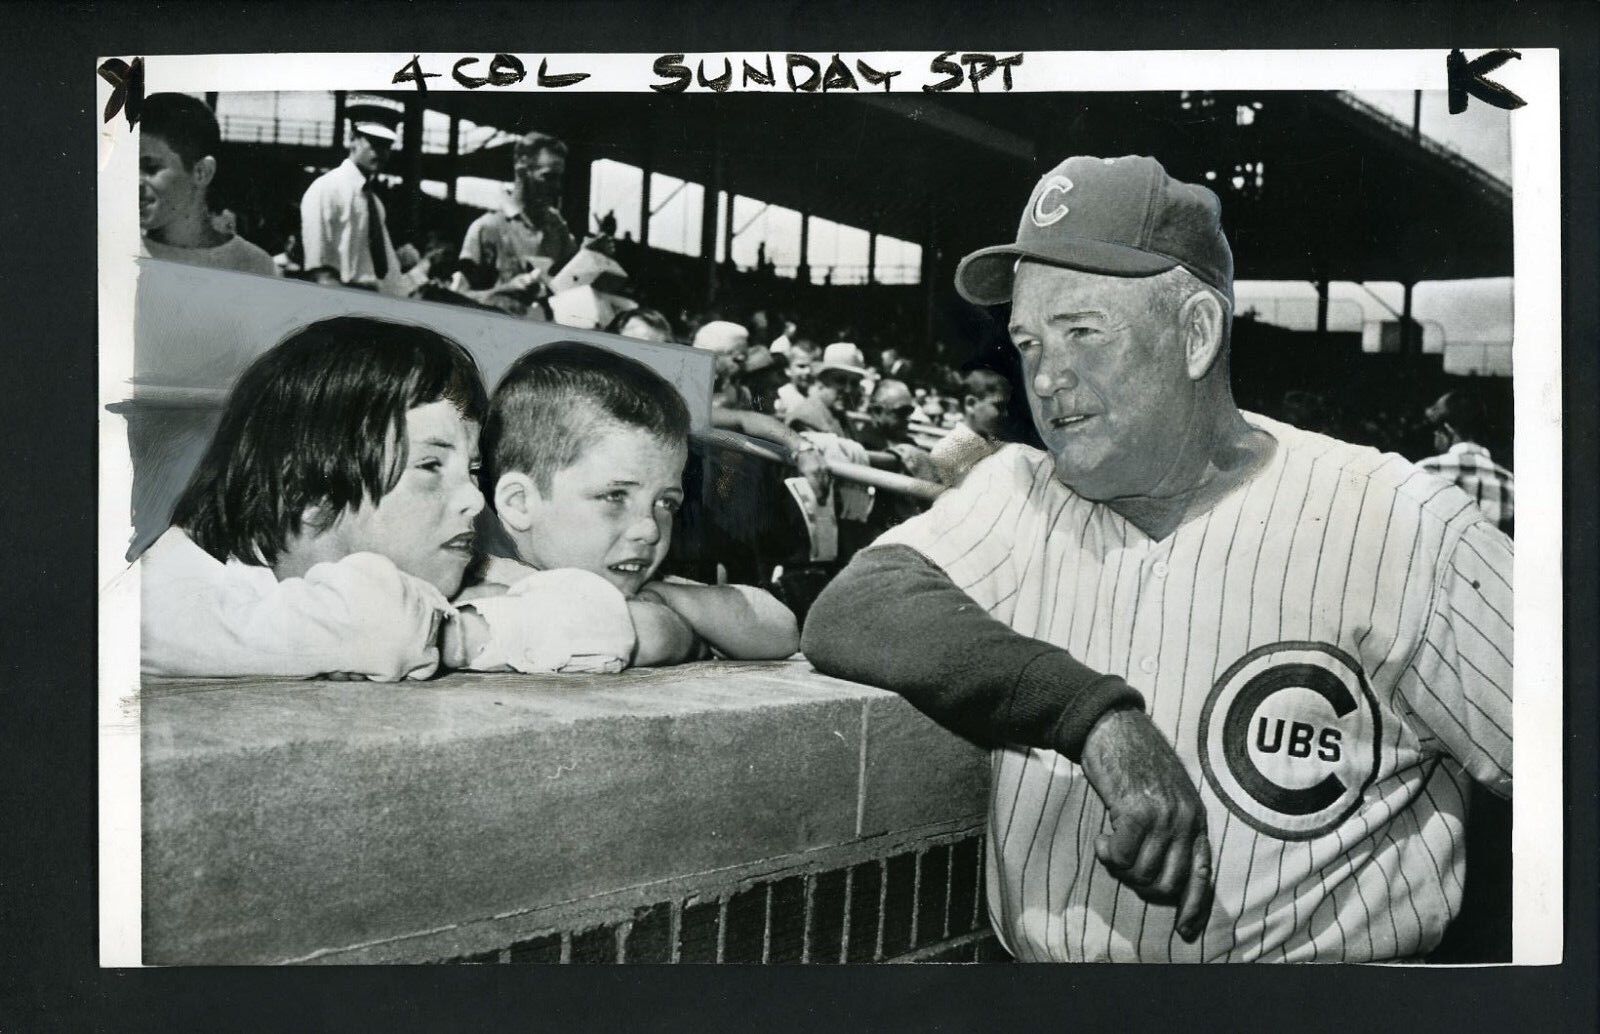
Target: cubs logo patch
1289,738
1043,216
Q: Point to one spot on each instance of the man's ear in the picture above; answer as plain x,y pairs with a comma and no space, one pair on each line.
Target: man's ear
204,171
1200,320
514,497
969,403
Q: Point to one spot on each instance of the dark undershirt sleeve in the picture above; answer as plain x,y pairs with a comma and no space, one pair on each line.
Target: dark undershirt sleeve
893,619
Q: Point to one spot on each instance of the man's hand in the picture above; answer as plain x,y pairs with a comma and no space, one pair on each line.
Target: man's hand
533,281
1158,844
814,468
916,462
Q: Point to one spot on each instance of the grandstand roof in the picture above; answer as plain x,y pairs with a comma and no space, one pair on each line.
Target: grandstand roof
1344,191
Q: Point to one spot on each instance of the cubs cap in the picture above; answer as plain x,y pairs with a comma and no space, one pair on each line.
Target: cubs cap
1114,216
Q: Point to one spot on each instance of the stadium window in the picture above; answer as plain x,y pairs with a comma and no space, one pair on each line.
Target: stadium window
303,118
837,253
614,188
765,231
851,250
675,207
898,261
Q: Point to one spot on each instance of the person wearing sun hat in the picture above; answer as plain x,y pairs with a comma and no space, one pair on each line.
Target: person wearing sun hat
833,392
343,223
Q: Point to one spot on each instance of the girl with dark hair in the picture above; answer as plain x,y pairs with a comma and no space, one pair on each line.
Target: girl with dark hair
331,518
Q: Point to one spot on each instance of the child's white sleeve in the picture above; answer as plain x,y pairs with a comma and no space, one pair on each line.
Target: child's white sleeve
556,621
361,615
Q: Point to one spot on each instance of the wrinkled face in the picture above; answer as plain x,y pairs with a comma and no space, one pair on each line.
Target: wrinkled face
834,389
611,511
541,175
892,412
424,523
167,187
730,357
1105,374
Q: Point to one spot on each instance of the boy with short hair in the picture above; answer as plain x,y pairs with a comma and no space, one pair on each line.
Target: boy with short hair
331,519
983,409
584,453
178,145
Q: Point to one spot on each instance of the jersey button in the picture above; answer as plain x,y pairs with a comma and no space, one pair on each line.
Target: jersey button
1159,568
1148,665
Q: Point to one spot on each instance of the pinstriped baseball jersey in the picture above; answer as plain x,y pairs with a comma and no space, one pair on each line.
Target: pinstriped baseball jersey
1329,651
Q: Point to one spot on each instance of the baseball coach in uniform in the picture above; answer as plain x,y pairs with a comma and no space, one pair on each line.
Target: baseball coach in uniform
1236,675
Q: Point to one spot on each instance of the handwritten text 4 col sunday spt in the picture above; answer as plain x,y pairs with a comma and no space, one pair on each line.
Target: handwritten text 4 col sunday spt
799,73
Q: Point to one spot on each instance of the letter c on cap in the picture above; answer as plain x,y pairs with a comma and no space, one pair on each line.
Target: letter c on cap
1043,217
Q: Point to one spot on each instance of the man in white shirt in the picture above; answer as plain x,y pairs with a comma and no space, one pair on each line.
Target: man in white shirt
343,223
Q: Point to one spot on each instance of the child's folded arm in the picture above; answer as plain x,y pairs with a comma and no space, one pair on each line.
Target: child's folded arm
360,616
550,621
738,621
665,636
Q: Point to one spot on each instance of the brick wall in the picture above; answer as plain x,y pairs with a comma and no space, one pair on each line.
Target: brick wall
735,812
923,904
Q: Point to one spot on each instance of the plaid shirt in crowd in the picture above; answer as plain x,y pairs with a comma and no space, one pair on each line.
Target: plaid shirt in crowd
1469,466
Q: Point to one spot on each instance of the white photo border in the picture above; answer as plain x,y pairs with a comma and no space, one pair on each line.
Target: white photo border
1538,840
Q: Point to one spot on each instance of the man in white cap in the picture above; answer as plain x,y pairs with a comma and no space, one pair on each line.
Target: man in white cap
729,342
343,225
732,406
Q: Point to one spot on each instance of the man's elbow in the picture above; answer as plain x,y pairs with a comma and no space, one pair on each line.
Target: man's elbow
829,638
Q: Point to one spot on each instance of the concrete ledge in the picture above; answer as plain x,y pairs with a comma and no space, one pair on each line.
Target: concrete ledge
288,819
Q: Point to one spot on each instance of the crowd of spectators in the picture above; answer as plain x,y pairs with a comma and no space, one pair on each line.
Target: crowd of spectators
800,382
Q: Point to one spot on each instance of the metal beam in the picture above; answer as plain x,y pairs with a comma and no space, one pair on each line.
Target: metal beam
708,211
645,172
803,273
411,169
1408,339
338,122
453,152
